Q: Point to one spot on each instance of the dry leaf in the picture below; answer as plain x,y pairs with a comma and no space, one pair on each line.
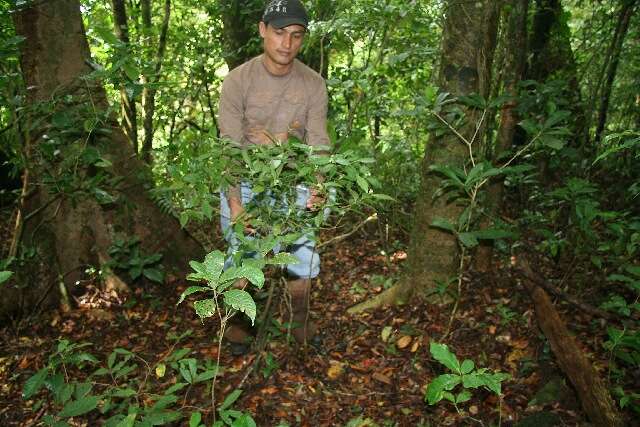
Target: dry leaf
403,341
386,333
415,346
473,410
381,377
335,370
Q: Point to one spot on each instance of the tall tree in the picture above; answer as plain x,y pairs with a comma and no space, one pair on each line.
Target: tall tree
127,97
515,62
467,53
85,183
152,78
240,30
551,56
627,10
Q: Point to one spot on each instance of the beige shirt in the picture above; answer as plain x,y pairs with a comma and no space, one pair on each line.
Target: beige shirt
257,107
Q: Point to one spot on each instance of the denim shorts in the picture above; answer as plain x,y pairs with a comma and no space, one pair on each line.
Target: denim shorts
303,248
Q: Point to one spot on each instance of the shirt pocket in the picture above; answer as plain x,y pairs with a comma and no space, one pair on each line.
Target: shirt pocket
295,109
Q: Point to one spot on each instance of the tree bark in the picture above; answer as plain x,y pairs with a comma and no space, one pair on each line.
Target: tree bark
514,69
128,103
71,228
467,52
552,56
622,27
240,39
150,87
592,391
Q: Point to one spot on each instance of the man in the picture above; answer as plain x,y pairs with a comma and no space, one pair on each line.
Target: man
268,99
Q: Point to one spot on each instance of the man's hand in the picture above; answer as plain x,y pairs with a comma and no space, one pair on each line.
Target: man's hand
238,214
316,199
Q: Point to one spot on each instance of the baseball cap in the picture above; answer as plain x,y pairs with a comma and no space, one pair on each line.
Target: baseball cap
282,13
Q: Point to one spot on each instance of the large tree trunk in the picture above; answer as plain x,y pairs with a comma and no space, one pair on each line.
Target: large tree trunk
127,99
622,27
467,53
70,219
514,69
240,38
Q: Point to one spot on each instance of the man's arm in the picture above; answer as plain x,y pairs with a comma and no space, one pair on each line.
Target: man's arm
316,134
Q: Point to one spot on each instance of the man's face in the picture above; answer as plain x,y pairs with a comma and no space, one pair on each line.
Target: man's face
282,45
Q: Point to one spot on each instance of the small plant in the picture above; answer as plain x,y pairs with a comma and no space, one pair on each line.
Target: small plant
463,374
4,273
126,255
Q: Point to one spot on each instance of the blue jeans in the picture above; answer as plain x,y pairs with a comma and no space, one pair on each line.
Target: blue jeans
303,248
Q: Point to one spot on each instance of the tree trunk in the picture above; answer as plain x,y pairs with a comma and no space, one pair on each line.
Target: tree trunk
594,395
129,109
316,54
622,27
467,52
514,69
150,87
240,39
552,56
94,186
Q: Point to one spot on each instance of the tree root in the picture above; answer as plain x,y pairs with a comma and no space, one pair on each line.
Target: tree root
397,294
592,391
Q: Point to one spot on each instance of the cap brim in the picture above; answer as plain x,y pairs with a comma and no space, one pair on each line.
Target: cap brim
285,22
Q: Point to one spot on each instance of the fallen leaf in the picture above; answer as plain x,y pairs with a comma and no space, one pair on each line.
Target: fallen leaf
381,377
492,330
415,346
386,333
403,342
335,371
473,410
161,369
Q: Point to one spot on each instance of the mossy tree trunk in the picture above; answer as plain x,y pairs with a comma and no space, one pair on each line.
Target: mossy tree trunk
85,182
240,39
467,52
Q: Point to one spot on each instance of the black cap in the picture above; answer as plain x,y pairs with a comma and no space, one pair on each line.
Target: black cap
282,13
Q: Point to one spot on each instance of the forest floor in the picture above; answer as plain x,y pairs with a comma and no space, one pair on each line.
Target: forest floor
372,368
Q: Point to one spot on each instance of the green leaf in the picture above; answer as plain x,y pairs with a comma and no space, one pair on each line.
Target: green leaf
362,183
443,224
494,234
205,308
230,399
283,258
34,383
5,275
473,380
244,420
195,419
467,366
463,396
192,290
441,353
468,239
437,387
153,274
241,301
494,381
129,421
252,274
79,407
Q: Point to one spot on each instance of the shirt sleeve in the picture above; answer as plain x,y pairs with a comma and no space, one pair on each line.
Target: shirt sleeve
231,110
316,131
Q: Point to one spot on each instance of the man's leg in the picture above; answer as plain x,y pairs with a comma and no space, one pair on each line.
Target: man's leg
238,330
